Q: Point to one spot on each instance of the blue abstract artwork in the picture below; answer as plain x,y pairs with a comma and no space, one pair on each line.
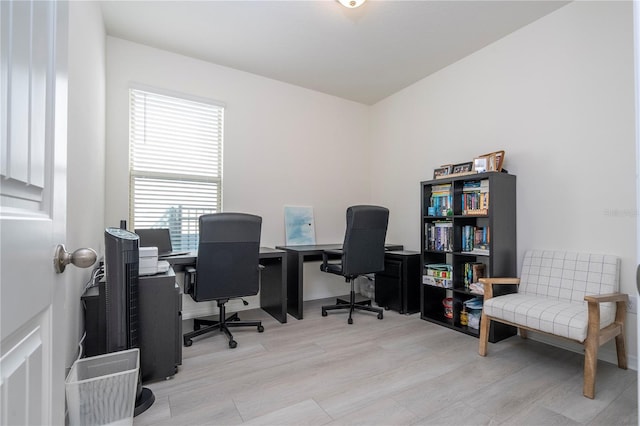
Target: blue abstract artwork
299,226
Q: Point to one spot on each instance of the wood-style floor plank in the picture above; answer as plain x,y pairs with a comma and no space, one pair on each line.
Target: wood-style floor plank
397,371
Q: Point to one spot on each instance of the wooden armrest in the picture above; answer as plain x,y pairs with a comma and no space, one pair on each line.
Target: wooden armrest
489,281
593,303
611,297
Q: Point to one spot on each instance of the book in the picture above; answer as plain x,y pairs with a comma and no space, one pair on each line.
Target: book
439,270
482,252
473,271
437,282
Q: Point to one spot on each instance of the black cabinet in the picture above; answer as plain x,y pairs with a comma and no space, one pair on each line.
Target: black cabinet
466,221
398,286
159,325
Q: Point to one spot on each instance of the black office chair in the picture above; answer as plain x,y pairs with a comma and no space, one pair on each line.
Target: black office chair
227,267
362,253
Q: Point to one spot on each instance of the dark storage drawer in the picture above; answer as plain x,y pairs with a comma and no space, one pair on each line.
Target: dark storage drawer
392,269
398,286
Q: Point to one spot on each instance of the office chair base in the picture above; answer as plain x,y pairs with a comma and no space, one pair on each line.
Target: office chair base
221,325
360,300
352,305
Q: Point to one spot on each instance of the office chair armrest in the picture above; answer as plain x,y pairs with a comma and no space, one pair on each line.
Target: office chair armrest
337,252
325,257
189,279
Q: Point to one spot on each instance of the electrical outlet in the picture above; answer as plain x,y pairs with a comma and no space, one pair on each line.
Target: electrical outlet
632,306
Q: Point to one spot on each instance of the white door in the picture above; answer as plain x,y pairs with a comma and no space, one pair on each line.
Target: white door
33,113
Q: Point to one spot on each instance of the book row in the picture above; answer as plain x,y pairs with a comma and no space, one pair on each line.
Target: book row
441,275
439,237
475,203
475,239
441,200
475,199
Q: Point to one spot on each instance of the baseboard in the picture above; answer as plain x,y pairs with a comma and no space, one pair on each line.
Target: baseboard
605,353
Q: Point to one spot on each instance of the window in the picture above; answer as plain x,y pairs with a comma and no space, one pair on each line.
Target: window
175,164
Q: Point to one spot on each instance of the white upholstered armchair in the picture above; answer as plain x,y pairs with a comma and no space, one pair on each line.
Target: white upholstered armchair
564,294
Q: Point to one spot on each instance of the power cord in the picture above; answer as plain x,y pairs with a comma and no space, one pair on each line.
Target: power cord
80,347
96,275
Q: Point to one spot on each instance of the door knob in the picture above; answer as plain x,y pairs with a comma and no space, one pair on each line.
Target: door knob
82,258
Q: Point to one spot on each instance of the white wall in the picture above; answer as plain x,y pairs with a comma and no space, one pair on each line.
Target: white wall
86,153
558,97
283,145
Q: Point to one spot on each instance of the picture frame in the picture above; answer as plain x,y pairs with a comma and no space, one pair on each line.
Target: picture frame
495,161
462,167
480,164
442,171
499,160
491,162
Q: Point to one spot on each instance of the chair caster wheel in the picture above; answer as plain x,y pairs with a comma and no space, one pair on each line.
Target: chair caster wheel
324,313
233,344
380,315
260,329
350,321
188,342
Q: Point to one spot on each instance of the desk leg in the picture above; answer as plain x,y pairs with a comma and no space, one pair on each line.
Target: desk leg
294,284
273,287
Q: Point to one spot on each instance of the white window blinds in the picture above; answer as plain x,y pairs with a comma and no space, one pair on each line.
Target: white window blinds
175,166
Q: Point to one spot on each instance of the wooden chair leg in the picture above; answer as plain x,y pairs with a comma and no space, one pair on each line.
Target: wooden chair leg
621,350
590,366
484,334
621,316
523,333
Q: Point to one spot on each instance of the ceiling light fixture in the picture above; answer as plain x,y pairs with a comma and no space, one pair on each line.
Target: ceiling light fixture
351,4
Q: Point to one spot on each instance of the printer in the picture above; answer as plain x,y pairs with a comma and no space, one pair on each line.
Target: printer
149,264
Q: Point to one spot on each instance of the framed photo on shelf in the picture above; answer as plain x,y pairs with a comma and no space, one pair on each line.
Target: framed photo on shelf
491,162
480,164
494,161
442,171
462,167
499,160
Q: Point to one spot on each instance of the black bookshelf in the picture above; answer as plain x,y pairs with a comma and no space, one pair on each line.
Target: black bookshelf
498,257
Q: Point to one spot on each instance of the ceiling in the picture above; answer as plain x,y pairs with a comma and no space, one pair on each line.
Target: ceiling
363,54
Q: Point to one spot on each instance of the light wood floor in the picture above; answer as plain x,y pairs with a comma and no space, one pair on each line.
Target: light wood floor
398,371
